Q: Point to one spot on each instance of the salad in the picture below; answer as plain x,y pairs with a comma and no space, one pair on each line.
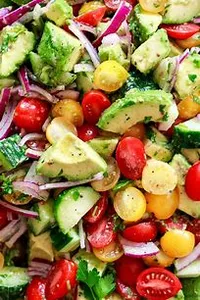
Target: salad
99,149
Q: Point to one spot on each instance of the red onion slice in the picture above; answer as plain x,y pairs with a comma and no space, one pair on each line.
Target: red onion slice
111,39
46,123
50,98
68,94
7,119
57,89
23,78
73,27
172,116
10,229
24,212
119,17
33,177
82,234
31,189
4,98
196,20
5,10
87,28
31,136
181,263
34,154
183,56
83,68
22,229
138,249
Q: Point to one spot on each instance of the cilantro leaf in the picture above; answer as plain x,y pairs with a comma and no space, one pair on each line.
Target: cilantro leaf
82,273
105,286
93,277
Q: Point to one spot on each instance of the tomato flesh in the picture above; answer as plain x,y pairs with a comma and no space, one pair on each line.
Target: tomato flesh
157,284
92,18
128,293
61,279
175,222
194,227
182,31
141,233
36,289
192,182
87,132
97,212
130,156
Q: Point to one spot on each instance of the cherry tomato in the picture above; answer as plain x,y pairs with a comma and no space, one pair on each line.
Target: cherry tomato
159,260
141,232
93,104
3,217
158,283
130,156
36,289
193,41
192,182
182,31
137,131
153,6
101,233
98,210
87,132
109,253
128,293
30,114
188,108
114,4
61,279
194,227
175,222
92,18
128,269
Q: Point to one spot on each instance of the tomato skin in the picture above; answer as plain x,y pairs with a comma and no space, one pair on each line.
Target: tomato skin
192,182
182,31
36,289
147,282
141,232
60,279
194,227
30,114
3,217
98,210
93,104
128,293
92,18
174,222
128,269
114,4
87,132
101,233
130,156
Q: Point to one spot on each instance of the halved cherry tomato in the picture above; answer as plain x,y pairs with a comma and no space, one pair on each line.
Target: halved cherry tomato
128,293
109,253
193,41
93,104
3,217
182,31
114,4
130,156
157,284
153,6
30,114
98,210
128,269
192,182
61,279
141,232
175,222
92,18
36,289
87,132
101,233
194,227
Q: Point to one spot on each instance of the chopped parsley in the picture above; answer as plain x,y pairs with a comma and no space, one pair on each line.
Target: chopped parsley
192,77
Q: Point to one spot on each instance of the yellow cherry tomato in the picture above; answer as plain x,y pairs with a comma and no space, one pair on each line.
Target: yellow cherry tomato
163,206
109,253
159,260
110,180
70,110
58,128
109,76
177,243
137,130
114,296
153,6
130,204
17,198
188,108
193,41
90,6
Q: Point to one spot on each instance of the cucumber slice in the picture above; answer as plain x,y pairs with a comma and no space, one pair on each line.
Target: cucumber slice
64,242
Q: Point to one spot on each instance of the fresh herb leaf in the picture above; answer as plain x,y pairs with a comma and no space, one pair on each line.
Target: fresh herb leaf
118,223
192,77
6,186
162,108
82,273
76,195
105,286
147,119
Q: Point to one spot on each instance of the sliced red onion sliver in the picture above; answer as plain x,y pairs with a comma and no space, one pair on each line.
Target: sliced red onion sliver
68,94
138,249
57,89
173,80
31,136
111,39
4,98
22,229
34,154
33,177
7,119
87,28
119,17
46,123
23,77
183,56
196,20
86,43
39,265
172,116
82,234
24,212
83,68
9,230
31,189
5,10
50,98
181,263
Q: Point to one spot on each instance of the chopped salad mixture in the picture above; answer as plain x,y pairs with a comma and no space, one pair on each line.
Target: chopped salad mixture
99,149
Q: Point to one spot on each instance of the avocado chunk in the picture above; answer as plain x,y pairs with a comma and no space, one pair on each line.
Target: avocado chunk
191,288
188,76
179,296
175,49
192,270
104,146
143,24
146,57
187,205
7,82
192,155
41,247
180,11
136,106
71,158
59,12
113,52
16,42
58,48
181,166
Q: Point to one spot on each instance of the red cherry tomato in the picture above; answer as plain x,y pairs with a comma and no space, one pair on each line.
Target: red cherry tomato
101,233
98,210
157,284
141,232
192,182
114,4
128,293
194,227
61,279
92,18
76,8
93,104
175,222
130,156
182,31
3,217
31,114
87,132
128,269
36,289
